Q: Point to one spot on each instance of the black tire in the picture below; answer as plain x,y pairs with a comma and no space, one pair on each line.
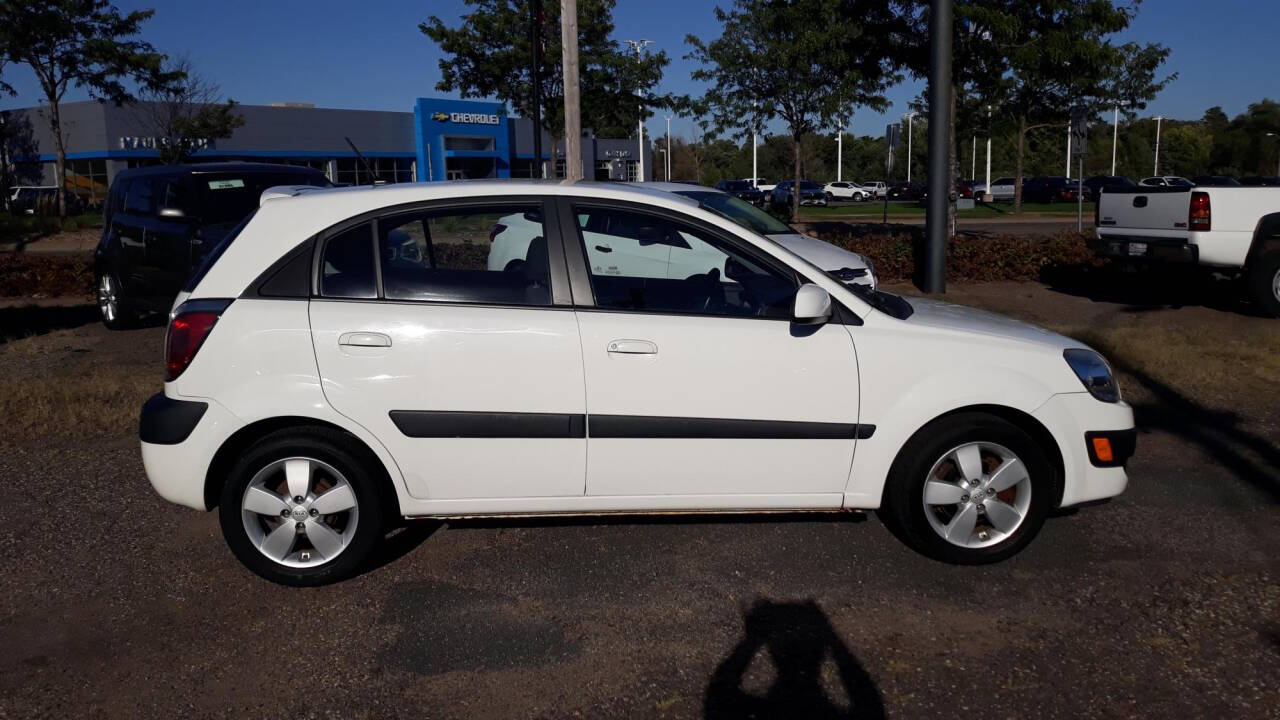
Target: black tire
125,315
1264,282
329,446
903,508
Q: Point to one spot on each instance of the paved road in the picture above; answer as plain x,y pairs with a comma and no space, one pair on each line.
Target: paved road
1164,603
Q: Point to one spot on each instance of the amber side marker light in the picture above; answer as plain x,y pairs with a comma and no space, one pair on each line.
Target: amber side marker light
1102,449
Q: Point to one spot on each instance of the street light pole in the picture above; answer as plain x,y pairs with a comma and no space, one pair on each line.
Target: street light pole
910,122
754,172
936,220
973,159
667,156
1115,137
1068,149
639,46
987,188
839,150
1156,170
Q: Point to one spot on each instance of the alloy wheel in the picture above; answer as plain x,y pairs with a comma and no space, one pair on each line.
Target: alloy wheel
977,494
299,512
108,299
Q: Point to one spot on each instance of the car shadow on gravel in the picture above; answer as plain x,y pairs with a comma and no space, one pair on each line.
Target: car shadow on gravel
798,640
27,320
1144,289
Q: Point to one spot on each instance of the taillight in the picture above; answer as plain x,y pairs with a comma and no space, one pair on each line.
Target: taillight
188,328
1199,216
496,231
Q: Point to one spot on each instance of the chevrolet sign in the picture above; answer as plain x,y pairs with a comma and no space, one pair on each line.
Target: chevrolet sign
466,118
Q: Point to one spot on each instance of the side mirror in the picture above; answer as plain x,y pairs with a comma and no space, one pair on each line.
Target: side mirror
812,305
172,212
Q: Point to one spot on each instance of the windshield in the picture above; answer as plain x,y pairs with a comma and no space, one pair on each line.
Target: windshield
737,211
226,198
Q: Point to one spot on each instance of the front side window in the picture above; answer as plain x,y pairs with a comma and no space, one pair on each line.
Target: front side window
494,255
650,263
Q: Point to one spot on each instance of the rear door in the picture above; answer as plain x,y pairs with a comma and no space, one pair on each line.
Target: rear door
472,378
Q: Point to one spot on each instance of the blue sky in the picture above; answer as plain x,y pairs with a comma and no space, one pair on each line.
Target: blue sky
370,55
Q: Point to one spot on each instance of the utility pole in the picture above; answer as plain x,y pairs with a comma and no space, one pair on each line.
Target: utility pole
1156,170
754,171
572,105
1115,137
910,118
535,74
973,160
639,46
935,265
667,156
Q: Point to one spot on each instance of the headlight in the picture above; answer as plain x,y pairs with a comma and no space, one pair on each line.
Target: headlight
1094,372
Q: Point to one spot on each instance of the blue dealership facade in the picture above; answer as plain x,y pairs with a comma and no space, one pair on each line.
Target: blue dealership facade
441,139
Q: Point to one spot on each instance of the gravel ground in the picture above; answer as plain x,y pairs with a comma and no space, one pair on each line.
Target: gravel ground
1163,603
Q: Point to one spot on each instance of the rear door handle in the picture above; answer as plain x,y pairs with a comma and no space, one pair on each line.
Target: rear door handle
633,347
364,339
604,248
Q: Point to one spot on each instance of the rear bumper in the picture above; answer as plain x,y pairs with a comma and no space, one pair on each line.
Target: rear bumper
1073,418
1146,248
177,468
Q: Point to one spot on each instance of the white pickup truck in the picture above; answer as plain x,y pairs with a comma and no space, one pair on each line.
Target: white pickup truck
1225,228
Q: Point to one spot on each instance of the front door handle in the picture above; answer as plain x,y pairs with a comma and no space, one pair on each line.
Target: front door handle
604,248
633,347
364,339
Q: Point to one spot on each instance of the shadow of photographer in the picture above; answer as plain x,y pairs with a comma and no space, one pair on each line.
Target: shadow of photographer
798,639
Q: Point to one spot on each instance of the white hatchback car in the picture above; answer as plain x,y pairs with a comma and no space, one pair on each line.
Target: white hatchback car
848,191
348,357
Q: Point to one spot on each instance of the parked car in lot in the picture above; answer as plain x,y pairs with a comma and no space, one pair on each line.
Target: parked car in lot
1215,181
762,185
1165,181
1228,229
842,190
313,394
161,222
1051,189
878,188
42,200
811,193
1004,188
1098,183
743,190
906,191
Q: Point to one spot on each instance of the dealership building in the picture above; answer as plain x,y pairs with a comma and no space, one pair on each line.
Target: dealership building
439,140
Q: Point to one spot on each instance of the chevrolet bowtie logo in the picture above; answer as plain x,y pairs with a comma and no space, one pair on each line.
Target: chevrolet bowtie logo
440,116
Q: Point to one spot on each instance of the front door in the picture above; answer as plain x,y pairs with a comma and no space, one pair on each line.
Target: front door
698,385
471,378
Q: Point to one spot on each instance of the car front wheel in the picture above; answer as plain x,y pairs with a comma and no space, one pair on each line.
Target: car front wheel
301,508
970,489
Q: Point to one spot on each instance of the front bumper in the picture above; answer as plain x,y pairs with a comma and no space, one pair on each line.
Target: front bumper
1073,419
1138,247
177,466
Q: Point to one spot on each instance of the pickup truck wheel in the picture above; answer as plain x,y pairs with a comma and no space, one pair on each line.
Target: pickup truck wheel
1264,282
969,489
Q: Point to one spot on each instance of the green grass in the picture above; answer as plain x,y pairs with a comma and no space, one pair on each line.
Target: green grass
995,210
17,227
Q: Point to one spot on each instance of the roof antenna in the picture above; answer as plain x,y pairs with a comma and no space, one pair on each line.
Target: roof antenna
377,180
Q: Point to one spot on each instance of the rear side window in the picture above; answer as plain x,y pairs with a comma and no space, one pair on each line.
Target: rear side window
346,267
494,255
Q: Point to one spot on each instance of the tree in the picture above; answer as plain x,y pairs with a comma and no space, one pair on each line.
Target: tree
78,43
807,63
188,113
1059,54
489,55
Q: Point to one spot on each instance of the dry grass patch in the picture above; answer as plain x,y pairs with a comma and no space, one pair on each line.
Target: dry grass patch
97,405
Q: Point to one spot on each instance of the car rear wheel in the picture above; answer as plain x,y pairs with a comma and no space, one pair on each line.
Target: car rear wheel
301,508
1264,282
970,489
